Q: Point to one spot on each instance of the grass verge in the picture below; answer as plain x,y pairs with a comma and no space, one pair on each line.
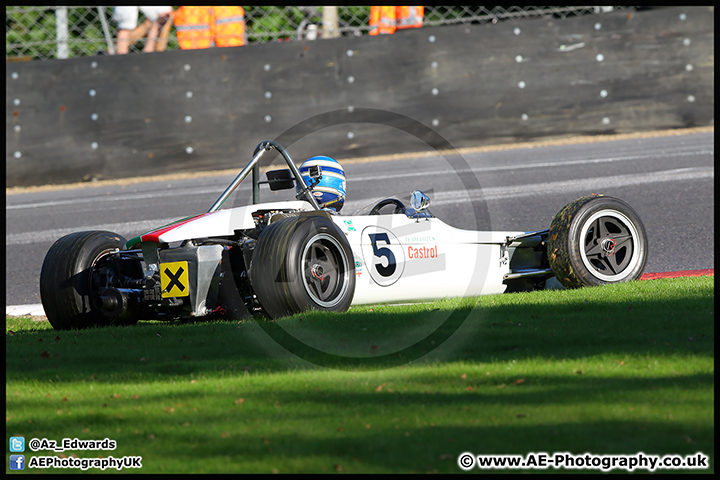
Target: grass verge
613,370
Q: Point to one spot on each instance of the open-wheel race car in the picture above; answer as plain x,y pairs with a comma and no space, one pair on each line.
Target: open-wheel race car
280,258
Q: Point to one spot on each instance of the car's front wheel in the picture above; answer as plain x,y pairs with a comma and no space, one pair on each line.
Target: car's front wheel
597,240
300,263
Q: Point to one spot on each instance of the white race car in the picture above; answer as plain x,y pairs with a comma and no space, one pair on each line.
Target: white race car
279,258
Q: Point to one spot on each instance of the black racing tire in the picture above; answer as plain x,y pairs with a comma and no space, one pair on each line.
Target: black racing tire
300,263
597,240
66,281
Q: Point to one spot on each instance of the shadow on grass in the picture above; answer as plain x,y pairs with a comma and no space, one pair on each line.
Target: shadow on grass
279,426
172,391
428,449
476,331
558,390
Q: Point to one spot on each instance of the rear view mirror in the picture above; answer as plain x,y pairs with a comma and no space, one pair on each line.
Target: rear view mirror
419,201
280,179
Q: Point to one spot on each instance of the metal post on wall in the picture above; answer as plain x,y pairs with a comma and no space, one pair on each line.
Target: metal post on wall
330,22
106,31
61,29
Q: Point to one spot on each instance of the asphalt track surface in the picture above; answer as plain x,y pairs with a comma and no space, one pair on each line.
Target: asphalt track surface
668,178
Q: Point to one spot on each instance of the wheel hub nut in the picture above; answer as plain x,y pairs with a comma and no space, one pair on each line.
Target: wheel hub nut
317,271
608,246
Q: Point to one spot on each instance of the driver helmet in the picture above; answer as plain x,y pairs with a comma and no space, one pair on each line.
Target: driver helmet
330,192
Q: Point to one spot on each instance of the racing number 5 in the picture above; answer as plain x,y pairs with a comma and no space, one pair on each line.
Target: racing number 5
381,252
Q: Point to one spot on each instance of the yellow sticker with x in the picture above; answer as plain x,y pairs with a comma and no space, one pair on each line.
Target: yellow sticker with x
174,279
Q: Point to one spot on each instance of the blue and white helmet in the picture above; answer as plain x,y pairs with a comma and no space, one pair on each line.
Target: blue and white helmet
330,192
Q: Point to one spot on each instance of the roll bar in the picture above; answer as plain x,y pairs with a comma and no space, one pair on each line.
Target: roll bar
253,166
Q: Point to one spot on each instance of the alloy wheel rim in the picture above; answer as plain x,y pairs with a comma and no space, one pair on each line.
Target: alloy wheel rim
609,245
325,270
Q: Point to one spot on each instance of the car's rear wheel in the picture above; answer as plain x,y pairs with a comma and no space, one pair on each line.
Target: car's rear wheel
300,263
68,288
597,240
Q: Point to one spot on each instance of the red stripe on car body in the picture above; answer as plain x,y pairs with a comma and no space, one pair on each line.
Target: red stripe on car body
154,236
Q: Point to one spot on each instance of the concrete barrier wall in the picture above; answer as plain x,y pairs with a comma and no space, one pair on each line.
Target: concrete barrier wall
119,116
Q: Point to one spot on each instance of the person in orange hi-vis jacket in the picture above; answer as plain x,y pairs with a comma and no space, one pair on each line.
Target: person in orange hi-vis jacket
386,20
205,27
229,26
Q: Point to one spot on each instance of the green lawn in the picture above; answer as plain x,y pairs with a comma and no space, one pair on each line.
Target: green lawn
610,370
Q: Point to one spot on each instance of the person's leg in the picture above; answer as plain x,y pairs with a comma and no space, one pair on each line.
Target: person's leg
139,32
126,18
125,38
158,16
151,36
164,23
123,42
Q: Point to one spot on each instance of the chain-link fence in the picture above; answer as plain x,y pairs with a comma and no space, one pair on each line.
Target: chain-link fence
36,32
